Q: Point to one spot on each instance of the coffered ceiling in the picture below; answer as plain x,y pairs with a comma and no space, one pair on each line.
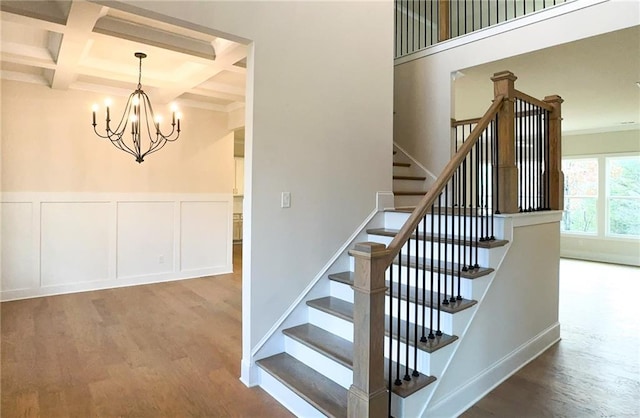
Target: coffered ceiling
87,46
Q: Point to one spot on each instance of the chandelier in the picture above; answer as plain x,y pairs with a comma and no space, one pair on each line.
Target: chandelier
146,136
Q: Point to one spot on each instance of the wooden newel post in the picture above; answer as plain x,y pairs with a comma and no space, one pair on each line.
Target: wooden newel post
554,168
368,395
507,172
443,20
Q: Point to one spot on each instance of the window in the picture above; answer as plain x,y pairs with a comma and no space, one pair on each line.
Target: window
580,196
623,196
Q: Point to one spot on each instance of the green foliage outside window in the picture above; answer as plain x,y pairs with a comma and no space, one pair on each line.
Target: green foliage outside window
623,184
580,196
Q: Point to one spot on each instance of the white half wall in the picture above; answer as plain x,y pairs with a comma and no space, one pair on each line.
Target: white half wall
515,321
56,243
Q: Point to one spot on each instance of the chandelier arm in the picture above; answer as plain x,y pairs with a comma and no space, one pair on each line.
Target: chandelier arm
154,149
118,143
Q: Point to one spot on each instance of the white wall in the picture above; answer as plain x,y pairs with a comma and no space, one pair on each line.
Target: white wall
515,320
423,94
319,125
78,214
601,247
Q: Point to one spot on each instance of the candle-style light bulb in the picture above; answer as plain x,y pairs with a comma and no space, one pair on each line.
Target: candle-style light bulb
94,108
158,119
107,103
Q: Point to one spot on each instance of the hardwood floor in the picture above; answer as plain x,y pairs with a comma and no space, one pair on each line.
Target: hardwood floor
162,350
173,350
594,371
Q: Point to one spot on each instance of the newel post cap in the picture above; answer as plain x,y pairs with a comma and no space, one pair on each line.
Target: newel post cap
504,75
553,99
369,250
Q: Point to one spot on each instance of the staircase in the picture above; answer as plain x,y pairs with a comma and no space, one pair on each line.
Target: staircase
316,365
438,302
410,181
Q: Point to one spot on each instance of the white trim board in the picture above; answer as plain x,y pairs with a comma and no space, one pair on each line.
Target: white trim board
72,242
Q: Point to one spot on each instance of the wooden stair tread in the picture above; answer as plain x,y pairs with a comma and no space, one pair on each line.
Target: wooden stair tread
409,193
344,310
395,164
451,307
444,267
324,342
417,178
320,391
341,350
448,239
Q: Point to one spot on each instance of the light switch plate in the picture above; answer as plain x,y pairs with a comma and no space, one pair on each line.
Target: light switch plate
286,200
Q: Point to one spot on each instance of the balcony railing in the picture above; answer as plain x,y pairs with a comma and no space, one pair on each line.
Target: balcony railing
422,23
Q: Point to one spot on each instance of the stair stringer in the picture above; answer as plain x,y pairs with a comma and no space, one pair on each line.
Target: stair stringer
459,389
274,341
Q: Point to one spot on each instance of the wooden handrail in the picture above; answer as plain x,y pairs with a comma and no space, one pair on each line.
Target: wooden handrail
455,122
525,97
423,207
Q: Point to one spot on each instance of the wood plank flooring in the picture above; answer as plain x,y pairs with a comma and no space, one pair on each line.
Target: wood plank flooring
594,371
173,350
162,350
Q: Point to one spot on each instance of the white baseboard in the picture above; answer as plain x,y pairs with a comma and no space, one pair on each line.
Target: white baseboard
249,373
9,295
484,382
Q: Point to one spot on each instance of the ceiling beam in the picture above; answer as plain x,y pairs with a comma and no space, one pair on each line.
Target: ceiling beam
190,81
75,42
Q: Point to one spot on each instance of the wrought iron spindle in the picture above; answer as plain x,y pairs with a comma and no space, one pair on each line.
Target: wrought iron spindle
445,301
431,287
407,312
398,381
423,337
477,207
416,306
390,359
439,332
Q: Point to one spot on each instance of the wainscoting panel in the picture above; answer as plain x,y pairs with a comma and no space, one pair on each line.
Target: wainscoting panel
55,243
205,236
18,258
145,238
75,242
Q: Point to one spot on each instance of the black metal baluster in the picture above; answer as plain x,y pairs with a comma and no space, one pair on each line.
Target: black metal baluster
473,16
390,360
439,331
472,183
530,159
415,310
446,237
431,264
398,381
486,184
478,221
407,313
423,338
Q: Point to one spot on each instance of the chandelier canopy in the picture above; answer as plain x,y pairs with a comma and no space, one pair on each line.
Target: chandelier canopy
146,136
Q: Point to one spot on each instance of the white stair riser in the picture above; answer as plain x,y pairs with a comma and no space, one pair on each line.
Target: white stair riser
409,185
294,403
340,327
404,201
341,291
452,324
333,370
467,253
431,364
469,288
395,220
